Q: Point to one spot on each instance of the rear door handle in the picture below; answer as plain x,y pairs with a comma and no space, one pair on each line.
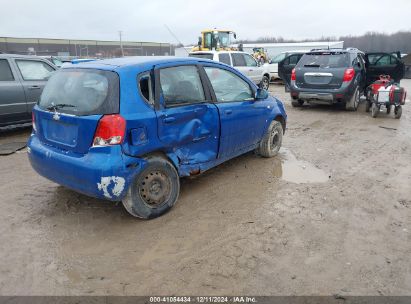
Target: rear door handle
168,120
34,88
228,112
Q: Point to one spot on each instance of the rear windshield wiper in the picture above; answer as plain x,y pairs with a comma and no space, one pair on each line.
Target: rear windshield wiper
312,65
59,106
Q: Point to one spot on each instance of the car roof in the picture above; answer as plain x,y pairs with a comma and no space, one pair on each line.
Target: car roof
347,50
19,56
122,62
217,52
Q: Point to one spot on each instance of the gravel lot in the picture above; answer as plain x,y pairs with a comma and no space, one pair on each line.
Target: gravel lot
330,215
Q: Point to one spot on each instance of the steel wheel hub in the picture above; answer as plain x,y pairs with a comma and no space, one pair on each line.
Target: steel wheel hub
274,138
155,188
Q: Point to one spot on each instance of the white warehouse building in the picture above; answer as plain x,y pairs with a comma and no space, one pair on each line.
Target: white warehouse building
274,49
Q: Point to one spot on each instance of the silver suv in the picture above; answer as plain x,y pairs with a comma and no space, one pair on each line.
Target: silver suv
22,79
242,61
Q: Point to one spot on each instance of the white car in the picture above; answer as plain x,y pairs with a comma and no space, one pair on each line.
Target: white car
273,63
242,61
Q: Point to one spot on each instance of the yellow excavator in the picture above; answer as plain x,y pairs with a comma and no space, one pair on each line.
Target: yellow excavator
218,40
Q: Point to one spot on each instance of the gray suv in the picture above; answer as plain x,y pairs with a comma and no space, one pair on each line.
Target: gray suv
338,75
22,79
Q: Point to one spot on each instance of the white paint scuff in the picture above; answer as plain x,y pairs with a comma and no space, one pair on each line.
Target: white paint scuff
117,189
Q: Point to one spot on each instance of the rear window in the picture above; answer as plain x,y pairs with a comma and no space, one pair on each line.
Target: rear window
325,60
82,92
5,72
202,55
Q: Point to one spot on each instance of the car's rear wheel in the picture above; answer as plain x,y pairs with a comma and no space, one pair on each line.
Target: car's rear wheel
398,112
374,109
297,103
272,140
354,101
154,191
265,83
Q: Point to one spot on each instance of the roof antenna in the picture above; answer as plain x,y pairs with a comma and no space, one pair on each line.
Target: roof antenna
175,37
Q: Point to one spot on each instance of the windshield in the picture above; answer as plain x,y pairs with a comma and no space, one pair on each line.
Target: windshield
278,58
202,55
224,39
81,92
325,60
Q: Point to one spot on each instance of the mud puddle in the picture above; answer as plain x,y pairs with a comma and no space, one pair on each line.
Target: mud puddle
292,170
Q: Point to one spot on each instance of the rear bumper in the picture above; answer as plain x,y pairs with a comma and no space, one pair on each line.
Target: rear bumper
103,173
323,96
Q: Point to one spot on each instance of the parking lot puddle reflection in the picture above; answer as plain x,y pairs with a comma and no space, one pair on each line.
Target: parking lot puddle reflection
290,169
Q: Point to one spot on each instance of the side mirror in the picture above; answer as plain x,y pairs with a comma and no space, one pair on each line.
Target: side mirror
200,41
261,94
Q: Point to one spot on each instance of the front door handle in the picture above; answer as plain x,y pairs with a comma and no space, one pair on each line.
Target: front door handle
34,87
168,120
228,112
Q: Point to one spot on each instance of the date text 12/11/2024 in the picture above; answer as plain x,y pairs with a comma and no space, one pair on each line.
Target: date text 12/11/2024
203,299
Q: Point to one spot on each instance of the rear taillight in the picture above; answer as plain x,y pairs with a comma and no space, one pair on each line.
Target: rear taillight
110,131
349,75
293,77
33,121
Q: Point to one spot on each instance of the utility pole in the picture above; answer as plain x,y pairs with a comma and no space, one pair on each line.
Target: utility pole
121,43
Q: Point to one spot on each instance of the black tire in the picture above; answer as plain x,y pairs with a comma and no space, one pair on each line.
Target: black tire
389,109
374,110
265,83
154,191
398,112
352,104
367,106
297,103
272,140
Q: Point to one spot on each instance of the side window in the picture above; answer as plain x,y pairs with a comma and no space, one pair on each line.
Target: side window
224,58
181,85
381,59
228,86
34,70
146,88
250,61
238,59
207,40
393,60
5,71
293,59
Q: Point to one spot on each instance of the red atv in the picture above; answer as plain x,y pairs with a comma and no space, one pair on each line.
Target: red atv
384,92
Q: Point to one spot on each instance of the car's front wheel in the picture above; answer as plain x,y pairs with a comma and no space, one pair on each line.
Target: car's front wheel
265,83
272,140
154,191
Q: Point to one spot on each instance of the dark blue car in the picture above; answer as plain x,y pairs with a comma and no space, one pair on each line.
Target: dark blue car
127,129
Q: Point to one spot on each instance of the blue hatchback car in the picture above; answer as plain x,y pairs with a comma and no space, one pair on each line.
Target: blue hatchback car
127,129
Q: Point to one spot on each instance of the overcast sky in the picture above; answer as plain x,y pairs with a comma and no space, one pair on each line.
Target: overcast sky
144,20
